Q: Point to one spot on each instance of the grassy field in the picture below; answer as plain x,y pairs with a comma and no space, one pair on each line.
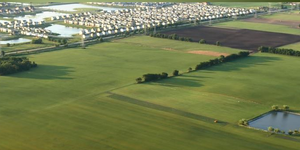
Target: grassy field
247,4
86,99
23,46
259,26
295,46
287,16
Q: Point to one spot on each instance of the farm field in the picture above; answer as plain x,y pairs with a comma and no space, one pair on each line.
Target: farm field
288,16
75,99
295,46
236,38
259,26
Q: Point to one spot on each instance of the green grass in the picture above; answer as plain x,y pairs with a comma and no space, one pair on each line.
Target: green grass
295,46
147,41
25,46
286,16
259,26
86,99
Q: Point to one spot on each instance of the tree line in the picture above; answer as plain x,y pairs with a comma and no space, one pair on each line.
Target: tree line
171,36
10,65
153,77
220,60
282,51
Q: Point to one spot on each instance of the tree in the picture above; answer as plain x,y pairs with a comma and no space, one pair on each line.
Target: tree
277,130
218,43
64,41
275,107
243,122
164,75
8,44
202,41
190,69
139,80
2,53
290,132
175,73
101,39
270,129
286,107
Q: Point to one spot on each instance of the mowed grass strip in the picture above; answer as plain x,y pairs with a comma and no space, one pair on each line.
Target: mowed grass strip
259,26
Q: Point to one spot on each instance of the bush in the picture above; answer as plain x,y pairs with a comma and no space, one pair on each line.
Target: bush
290,132
202,41
37,41
218,43
270,129
8,44
139,80
190,69
243,122
286,107
175,73
275,107
277,130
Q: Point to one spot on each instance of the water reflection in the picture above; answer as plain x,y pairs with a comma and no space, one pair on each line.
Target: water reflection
15,41
281,120
39,16
71,7
63,30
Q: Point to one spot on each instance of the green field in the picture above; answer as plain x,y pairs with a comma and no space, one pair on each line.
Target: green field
287,16
87,99
295,46
259,26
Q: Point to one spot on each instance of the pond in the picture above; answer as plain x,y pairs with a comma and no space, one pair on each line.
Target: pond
1,21
282,120
39,16
63,30
71,7
15,41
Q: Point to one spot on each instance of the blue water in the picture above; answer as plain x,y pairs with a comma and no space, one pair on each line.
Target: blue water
15,41
71,7
282,120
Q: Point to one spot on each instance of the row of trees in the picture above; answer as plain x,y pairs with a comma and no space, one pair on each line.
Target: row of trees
282,51
290,132
61,41
284,107
171,36
10,65
153,77
220,60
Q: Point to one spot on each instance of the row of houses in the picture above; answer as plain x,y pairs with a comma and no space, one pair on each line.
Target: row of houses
36,32
21,23
16,10
133,4
149,16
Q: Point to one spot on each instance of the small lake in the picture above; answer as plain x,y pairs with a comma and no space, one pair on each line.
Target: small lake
71,7
63,30
16,41
39,16
282,120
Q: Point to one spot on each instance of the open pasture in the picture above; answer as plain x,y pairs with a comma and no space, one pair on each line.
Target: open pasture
236,38
86,99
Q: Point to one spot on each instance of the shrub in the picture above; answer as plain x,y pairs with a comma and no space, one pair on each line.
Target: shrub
37,41
175,73
270,129
202,41
218,43
243,122
8,44
290,132
277,130
275,107
282,51
190,69
139,80
286,107
164,75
